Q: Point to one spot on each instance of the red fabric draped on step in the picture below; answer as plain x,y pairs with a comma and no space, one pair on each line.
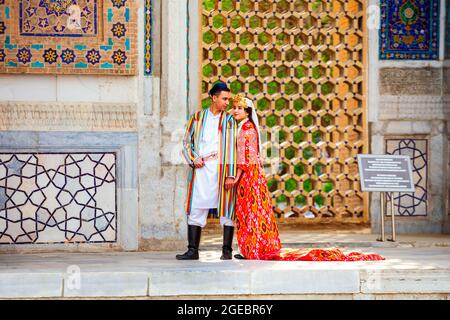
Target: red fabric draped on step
319,255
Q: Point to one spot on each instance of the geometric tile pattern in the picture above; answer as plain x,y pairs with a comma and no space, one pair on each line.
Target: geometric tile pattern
411,204
409,30
49,18
68,36
148,37
302,63
58,198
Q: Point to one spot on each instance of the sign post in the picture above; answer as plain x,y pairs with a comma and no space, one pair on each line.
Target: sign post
385,173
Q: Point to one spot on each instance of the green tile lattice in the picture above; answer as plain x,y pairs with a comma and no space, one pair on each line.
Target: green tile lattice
302,62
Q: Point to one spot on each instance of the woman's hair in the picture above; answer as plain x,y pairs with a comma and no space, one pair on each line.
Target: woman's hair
218,88
240,101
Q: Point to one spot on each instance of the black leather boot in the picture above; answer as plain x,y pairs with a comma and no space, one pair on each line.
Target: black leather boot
194,233
227,248
240,256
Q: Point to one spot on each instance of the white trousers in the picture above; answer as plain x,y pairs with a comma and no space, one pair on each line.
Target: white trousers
198,217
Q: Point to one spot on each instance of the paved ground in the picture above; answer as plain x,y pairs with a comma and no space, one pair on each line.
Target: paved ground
360,238
416,267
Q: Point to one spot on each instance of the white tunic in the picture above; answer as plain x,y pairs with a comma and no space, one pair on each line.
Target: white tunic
205,195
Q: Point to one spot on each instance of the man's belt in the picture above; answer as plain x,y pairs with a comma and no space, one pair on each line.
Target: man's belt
210,156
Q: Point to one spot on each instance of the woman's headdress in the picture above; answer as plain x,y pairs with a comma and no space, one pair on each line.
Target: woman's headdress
247,103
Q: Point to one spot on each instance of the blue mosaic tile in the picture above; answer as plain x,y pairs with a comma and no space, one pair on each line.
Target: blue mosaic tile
409,30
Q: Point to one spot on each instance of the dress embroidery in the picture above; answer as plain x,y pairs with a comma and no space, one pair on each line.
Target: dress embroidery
256,226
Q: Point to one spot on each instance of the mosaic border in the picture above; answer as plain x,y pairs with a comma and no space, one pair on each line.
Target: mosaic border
148,45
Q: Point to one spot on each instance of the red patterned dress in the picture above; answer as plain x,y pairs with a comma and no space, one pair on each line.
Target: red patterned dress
256,227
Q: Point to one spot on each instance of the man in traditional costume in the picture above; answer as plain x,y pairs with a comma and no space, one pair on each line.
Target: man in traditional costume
210,149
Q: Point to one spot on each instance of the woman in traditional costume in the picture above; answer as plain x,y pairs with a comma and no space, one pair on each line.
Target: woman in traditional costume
256,227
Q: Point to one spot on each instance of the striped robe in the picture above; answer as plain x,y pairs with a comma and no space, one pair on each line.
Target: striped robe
227,158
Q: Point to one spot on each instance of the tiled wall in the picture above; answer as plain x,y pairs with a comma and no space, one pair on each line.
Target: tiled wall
411,204
66,188
400,21
83,37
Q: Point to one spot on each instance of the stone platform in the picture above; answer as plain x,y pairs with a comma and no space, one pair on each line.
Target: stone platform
336,238
409,271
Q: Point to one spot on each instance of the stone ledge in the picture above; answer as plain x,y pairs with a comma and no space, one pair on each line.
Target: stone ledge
162,245
107,284
305,281
324,282
213,282
57,116
410,81
31,285
406,271
405,281
414,108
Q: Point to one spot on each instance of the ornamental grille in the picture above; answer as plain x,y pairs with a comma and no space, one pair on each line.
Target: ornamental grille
302,63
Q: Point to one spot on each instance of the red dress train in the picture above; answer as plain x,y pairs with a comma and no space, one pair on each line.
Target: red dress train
256,227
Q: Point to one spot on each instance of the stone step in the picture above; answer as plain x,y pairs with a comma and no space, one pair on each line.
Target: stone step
315,239
405,273
288,281
344,245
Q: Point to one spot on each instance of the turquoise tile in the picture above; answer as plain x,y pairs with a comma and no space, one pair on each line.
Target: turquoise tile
105,48
80,47
58,47
106,66
37,46
37,64
10,46
81,65
110,15
7,13
127,44
110,42
127,15
11,64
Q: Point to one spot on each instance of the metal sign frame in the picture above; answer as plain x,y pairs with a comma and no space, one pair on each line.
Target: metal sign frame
383,191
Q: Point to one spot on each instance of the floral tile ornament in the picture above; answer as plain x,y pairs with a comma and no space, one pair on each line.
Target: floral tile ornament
409,30
68,36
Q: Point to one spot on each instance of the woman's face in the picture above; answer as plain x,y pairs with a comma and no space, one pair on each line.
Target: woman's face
238,112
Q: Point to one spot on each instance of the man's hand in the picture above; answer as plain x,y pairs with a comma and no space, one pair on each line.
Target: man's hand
199,163
229,183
